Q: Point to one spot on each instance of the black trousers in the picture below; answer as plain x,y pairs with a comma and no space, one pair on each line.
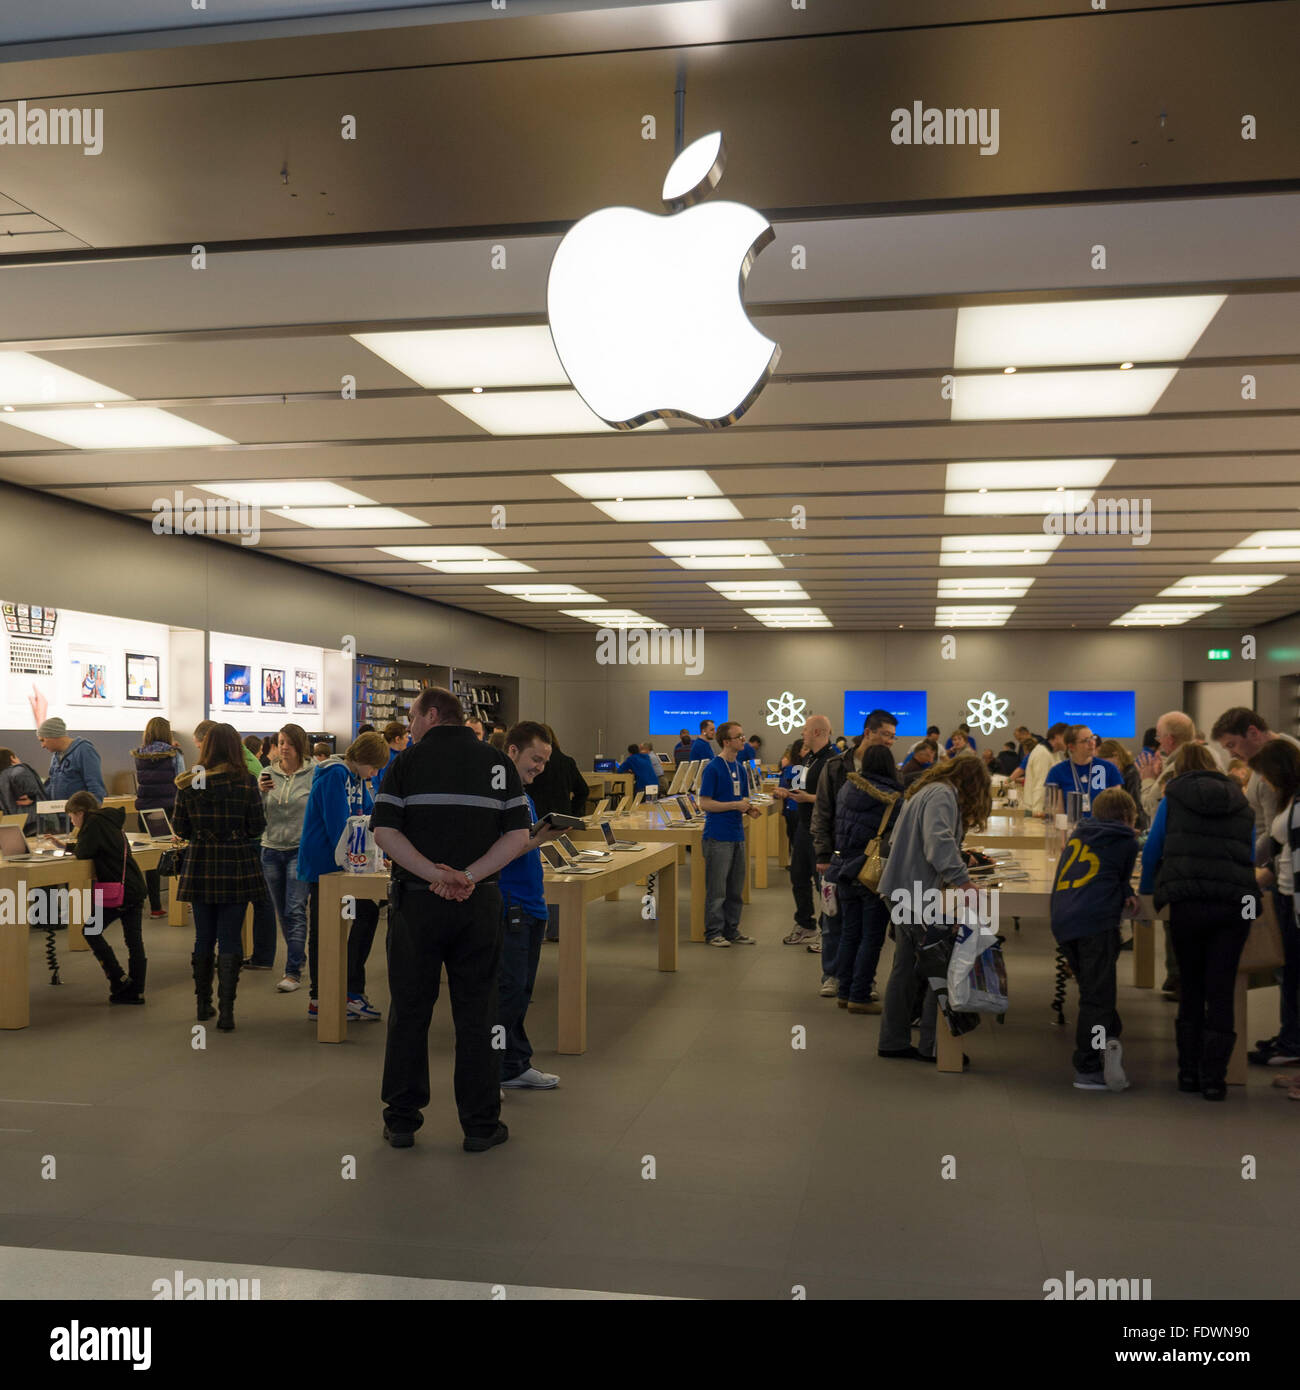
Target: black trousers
132,935
426,933
1093,960
1208,939
803,869
361,936
153,883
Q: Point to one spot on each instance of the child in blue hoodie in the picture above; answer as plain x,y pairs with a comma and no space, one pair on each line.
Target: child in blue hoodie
1092,892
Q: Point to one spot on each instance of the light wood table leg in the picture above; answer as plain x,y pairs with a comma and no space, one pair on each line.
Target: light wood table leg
1237,1065
947,1048
175,907
247,932
666,910
15,1002
760,852
572,984
1144,954
749,857
612,897
332,961
698,885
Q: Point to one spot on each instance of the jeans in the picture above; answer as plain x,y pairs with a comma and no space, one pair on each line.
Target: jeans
131,935
803,873
1093,958
832,931
724,868
426,933
1208,937
521,950
361,937
1288,1036
220,925
900,997
863,919
288,894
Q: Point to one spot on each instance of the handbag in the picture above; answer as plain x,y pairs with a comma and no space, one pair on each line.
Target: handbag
1263,949
871,872
106,895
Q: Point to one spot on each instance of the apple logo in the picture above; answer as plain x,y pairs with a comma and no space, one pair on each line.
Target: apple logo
646,311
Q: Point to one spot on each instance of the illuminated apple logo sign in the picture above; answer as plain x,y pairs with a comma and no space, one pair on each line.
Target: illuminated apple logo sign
646,311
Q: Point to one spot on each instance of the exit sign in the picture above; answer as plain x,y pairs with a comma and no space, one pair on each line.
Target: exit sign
1219,654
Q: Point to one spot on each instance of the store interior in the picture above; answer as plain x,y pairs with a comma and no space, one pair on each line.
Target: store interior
340,352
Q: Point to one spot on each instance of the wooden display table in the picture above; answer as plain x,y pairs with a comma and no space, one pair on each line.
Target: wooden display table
1009,830
649,824
761,840
570,892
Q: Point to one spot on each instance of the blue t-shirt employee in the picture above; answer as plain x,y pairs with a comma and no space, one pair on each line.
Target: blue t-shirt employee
644,768
724,799
702,748
1081,772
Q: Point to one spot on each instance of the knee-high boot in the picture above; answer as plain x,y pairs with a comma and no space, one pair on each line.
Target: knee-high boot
227,983
202,964
1215,1052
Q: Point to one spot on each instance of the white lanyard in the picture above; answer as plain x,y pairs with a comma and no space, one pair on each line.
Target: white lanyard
1086,791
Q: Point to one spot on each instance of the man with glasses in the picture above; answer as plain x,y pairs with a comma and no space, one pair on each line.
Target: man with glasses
1082,771
724,798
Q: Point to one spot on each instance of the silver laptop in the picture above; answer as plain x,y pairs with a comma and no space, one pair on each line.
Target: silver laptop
14,848
561,865
571,851
156,825
615,843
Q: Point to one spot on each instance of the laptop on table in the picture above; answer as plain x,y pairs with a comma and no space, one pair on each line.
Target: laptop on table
613,842
14,848
561,865
572,852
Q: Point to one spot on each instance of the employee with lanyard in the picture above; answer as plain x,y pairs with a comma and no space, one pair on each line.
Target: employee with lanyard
724,798
450,814
1081,772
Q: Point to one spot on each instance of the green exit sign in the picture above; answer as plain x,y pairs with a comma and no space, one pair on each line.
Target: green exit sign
1219,654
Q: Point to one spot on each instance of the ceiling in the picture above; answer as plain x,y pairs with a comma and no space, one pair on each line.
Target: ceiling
854,428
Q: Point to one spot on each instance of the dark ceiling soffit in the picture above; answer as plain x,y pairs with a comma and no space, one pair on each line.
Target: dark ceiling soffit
824,213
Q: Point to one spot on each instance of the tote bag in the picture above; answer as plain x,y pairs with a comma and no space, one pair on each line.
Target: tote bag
1263,949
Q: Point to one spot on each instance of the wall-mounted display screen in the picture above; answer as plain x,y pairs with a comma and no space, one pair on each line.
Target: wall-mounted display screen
909,707
142,681
1108,713
671,711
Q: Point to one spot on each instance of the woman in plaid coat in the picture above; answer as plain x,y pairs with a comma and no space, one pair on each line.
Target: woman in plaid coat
220,815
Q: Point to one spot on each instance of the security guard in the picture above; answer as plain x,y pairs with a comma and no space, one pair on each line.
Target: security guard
451,812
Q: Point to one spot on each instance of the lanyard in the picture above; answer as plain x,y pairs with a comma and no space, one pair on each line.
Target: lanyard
1086,790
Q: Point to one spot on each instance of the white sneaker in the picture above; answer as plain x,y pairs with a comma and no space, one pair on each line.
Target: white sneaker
532,1080
288,985
829,988
1113,1066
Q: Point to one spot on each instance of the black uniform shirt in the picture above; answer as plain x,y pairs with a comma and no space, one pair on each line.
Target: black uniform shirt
452,796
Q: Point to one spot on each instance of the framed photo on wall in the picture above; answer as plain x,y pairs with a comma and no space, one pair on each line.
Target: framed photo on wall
237,686
89,672
272,688
142,684
306,689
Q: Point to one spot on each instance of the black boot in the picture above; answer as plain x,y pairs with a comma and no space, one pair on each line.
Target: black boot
119,989
1188,1038
202,965
227,984
132,988
1215,1052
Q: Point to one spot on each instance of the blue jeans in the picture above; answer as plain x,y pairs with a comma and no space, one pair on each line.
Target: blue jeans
832,929
521,949
289,895
725,867
220,925
863,919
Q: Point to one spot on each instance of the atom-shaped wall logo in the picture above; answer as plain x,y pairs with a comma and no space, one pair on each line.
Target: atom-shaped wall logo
987,713
784,713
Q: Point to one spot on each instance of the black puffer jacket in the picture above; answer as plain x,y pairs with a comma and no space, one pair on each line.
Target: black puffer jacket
859,809
101,838
1209,829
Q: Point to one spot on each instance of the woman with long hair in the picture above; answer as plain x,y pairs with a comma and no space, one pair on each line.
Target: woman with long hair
1198,860
1114,752
219,813
101,838
925,854
158,763
1278,763
285,786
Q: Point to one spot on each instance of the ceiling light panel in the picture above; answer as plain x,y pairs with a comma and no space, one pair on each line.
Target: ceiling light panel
547,593
1162,614
972,615
1030,549
1226,585
672,509
1057,395
286,492
143,427
536,412
739,589
1263,547
348,518
611,617
1010,503
1027,473
27,380
443,359
1094,330
661,482
984,588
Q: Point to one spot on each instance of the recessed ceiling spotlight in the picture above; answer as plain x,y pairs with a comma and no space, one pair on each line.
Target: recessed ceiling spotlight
1008,371
99,405
983,490
476,390
1126,366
